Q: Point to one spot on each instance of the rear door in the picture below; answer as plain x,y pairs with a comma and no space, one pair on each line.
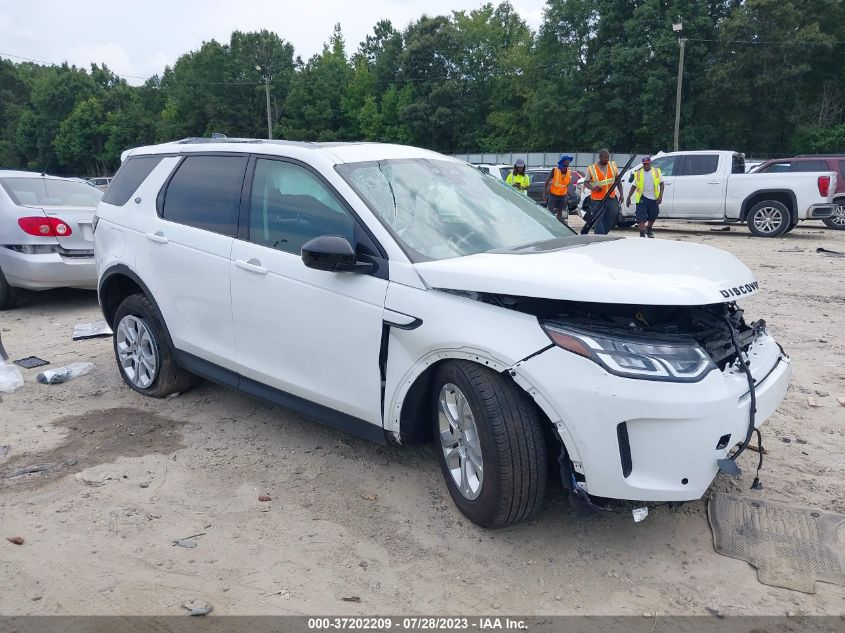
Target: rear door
700,186
186,258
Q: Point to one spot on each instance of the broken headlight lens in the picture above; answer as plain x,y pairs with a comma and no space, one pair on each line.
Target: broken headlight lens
675,361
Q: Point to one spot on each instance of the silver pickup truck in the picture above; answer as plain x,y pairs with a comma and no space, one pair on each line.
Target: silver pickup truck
713,185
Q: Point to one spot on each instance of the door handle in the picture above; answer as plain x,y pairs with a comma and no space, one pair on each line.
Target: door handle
253,266
714,182
157,237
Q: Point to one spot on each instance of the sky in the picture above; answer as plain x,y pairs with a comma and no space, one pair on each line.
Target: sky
138,39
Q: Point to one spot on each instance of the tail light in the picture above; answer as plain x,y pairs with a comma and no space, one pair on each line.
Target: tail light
44,227
824,186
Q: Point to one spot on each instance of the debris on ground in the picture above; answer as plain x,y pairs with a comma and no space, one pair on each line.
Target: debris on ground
63,374
15,540
95,329
188,541
829,253
639,514
715,612
812,401
264,498
10,378
351,599
34,468
31,362
197,607
4,450
722,229
757,449
370,497
841,401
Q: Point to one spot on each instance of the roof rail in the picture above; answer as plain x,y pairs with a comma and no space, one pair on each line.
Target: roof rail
215,139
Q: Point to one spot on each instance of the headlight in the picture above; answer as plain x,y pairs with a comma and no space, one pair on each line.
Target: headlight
671,360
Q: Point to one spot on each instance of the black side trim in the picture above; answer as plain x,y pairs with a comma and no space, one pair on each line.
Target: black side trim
382,361
624,448
318,412
413,325
122,269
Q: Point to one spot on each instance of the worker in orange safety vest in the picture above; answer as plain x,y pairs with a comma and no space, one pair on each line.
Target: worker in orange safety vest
556,191
600,177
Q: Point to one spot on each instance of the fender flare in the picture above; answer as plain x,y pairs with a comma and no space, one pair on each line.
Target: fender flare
393,412
125,271
745,207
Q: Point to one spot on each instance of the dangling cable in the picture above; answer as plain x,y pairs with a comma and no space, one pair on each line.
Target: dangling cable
752,392
756,485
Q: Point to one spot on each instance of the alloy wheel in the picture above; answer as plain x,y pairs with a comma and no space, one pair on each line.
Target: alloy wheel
459,441
838,217
137,351
768,219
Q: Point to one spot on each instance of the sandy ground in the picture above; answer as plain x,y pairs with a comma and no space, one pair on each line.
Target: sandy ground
352,519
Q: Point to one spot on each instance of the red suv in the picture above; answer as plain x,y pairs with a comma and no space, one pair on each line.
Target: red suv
832,162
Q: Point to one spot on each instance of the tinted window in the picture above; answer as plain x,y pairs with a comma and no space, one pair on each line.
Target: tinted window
666,165
775,168
205,192
811,165
51,192
738,165
842,167
700,164
128,178
289,206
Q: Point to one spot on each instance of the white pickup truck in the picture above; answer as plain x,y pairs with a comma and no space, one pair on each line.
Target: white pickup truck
713,185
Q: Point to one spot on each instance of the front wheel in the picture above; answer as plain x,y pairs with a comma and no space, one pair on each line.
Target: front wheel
145,355
769,218
490,444
837,220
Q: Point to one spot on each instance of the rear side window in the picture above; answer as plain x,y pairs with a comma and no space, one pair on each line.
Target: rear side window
738,165
842,167
700,164
811,165
128,178
775,168
205,192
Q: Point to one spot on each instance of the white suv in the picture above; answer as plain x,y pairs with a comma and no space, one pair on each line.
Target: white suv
403,296
46,233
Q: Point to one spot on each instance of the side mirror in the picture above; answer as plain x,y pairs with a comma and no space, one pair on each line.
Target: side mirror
332,253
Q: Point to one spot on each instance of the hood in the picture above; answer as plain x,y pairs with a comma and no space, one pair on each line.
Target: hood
600,270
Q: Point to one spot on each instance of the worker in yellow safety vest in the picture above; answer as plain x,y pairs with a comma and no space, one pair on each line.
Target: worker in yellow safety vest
599,181
648,194
518,178
556,193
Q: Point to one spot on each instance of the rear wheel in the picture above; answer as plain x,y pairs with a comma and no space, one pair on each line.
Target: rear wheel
8,294
490,444
145,355
769,218
837,220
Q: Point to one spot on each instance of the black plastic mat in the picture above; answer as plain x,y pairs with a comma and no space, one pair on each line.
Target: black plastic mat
31,361
791,547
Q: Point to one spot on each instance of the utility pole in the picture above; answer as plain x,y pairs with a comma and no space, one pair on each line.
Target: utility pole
679,29
267,93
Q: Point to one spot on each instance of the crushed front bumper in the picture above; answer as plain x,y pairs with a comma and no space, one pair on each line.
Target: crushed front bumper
643,440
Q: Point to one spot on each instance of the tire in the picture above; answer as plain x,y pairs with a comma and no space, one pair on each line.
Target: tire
504,426
769,218
144,352
8,294
837,221
790,228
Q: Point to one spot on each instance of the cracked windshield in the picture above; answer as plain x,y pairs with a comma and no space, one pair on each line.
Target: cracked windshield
440,209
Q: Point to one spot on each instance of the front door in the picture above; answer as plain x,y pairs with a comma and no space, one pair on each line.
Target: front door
310,333
700,187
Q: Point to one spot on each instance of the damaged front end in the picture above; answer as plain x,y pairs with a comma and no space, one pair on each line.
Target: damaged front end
652,345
